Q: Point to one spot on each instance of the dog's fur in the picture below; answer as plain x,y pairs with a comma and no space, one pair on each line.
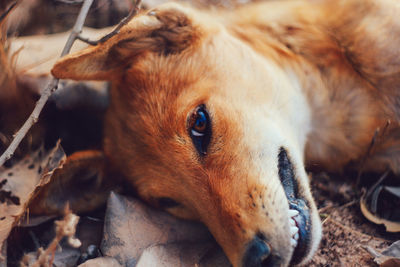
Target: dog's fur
318,78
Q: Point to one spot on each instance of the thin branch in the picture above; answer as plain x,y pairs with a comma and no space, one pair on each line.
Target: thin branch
4,15
70,2
51,87
134,11
77,29
64,228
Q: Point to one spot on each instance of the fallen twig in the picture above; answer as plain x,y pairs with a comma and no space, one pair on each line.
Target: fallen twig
134,11
70,1
11,7
51,87
64,228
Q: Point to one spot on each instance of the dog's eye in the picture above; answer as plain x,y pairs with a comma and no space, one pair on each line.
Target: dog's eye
200,129
166,203
200,123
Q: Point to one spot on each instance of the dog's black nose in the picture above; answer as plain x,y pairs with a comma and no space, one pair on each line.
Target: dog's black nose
258,254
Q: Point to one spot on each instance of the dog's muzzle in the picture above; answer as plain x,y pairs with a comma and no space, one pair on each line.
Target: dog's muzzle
258,251
300,221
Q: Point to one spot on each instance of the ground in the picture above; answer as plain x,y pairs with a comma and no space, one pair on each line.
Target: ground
346,232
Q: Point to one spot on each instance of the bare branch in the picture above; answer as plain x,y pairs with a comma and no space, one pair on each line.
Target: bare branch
73,2
4,15
134,11
77,29
64,228
51,87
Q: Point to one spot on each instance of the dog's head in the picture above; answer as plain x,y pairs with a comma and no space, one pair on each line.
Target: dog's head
207,129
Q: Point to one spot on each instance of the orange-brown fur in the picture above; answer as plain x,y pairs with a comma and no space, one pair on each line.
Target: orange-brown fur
318,78
16,95
354,74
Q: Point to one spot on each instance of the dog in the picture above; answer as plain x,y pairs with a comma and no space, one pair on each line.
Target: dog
215,114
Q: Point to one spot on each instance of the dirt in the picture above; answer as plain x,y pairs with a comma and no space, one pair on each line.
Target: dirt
346,232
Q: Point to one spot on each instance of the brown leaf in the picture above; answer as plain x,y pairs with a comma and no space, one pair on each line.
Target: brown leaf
21,182
80,183
366,209
393,250
390,257
137,234
101,262
391,263
67,257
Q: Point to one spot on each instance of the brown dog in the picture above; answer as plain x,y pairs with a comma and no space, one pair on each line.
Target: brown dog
214,115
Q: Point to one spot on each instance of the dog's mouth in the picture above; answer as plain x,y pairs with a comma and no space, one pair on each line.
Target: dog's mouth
299,213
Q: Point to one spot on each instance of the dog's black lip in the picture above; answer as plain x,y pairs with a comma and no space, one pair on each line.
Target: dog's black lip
296,202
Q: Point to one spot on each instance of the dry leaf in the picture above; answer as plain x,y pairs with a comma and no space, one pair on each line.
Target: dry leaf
101,262
21,182
390,257
393,250
65,229
369,207
380,203
62,258
135,233
80,183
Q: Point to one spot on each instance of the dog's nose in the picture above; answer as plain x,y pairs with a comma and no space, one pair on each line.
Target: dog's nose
258,254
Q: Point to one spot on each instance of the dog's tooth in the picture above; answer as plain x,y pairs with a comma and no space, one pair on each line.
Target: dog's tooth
293,242
293,213
293,230
296,236
292,222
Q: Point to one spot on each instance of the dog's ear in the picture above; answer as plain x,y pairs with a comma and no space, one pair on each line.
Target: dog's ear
167,30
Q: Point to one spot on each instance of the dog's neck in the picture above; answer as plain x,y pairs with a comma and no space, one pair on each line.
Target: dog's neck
344,112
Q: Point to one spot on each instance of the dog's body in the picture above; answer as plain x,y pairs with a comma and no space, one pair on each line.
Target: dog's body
214,114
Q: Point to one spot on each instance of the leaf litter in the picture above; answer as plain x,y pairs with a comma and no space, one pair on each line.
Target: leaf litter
21,182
